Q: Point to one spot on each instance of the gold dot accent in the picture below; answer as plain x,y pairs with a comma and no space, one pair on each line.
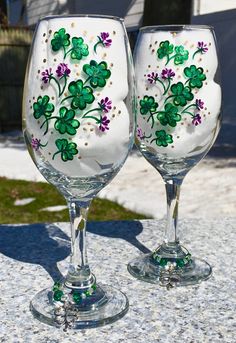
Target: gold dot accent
150,45
177,69
174,34
31,107
79,157
113,115
153,50
186,42
188,124
98,94
110,82
200,59
209,113
155,42
78,73
111,65
46,40
158,67
206,83
149,66
155,95
191,46
53,98
65,93
70,139
210,44
41,87
85,143
38,71
44,60
138,97
91,130
104,55
38,122
50,31
72,25
207,71
182,123
172,146
44,34
114,32
146,88
76,65
179,77
89,123
55,59
114,108
205,108
85,33
52,132
33,97
49,153
29,101
178,137
204,115
84,128
119,112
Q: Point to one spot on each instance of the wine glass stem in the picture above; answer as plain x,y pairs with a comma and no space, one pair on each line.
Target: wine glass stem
172,196
79,274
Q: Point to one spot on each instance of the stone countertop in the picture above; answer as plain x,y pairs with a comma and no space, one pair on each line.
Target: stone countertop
32,255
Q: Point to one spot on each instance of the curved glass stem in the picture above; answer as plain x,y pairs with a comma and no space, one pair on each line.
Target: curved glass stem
79,275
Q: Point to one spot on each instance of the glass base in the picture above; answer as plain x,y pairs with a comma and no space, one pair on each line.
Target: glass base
145,268
105,306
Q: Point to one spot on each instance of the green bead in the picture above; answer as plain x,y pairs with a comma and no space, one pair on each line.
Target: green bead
76,297
180,263
57,295
87,293
94,287
163,262
56,286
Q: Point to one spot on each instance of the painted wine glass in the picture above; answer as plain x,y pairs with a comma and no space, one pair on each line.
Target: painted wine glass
78,126
178,119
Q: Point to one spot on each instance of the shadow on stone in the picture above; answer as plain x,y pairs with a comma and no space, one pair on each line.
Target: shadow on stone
127,230
42,244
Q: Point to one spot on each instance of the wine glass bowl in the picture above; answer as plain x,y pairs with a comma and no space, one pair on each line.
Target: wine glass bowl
78,126
178,119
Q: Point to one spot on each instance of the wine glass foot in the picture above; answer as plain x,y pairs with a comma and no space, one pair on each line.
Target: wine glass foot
146,269
104,306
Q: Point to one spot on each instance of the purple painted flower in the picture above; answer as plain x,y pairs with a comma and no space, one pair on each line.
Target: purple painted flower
199,104
167,73
104,124
62,70
197,120
105,40
35,143
105,104
46,75
152,78
202,46
139,133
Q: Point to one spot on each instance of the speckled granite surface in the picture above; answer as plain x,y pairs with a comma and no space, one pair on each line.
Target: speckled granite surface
29,255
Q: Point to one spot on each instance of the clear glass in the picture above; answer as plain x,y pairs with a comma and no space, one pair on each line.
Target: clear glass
178,119
78,123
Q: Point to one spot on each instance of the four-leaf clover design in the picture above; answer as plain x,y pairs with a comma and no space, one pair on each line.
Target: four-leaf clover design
181,94
66,122
66,149
79,48
181,55
61,40
170,116
97,73
43,108
195,76
162,138
148,105
81,95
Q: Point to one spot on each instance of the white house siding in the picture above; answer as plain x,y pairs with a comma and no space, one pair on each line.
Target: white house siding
209,6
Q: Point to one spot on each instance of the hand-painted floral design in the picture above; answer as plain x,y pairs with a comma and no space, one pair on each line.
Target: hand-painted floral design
97,73
79,49
201,48
66,149
195,76
81,95
105,104
36,144
103,40
153,77
62,70
61,39
104,122
66,123
180,100
197,120
181,94
148,105
46,75
167,74
162,138
169,116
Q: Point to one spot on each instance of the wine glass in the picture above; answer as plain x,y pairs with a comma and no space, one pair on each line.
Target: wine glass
78,125
178,119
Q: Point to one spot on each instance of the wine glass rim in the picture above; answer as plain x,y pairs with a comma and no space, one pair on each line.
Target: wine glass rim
102,16
176,27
